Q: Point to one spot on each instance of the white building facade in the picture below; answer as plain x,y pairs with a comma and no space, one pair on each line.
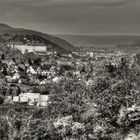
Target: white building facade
33,99
23,48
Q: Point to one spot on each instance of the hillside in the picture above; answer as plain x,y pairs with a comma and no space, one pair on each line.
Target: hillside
5,27
60,43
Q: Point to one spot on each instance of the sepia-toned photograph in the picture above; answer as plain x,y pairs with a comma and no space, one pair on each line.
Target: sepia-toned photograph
69,69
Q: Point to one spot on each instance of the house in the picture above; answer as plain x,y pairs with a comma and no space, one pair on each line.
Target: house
57,79
44,100
89,82
31,70
43,82
33,99
16,76
44,73
39,71
11,79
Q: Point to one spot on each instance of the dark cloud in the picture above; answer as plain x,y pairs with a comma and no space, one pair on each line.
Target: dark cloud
73,16
80,2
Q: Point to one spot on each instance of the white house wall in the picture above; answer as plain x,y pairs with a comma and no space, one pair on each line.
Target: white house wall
23,48
31,97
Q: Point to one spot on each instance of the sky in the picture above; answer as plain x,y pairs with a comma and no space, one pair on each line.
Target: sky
79,17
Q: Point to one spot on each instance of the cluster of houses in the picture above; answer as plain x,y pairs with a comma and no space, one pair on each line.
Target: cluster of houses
31,73
83,66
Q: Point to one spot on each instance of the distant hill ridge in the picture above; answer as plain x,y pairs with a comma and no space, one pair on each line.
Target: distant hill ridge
101,40
61,43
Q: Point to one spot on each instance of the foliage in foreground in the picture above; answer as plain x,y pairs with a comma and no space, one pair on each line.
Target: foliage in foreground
109,109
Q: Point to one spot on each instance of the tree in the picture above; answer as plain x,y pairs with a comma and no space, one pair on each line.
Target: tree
5,71
37,61
4,128
3,57
30,61
1,99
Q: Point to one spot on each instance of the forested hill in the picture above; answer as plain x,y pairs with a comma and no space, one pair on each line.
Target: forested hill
60,43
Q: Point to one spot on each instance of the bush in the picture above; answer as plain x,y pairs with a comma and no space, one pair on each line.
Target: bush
1,99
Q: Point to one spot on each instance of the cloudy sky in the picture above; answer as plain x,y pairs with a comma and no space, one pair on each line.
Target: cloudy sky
73,16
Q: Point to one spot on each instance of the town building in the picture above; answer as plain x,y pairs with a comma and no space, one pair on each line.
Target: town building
33,99
24,48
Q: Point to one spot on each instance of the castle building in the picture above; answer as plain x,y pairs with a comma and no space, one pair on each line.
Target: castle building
24,48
